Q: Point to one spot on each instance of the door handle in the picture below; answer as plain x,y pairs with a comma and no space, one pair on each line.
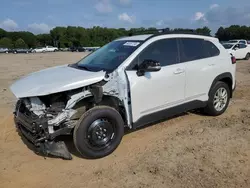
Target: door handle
211,64
178,71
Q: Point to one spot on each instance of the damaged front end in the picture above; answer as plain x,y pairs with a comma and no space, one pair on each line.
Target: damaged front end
42,119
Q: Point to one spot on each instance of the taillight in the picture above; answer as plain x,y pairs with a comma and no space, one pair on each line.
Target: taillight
233,59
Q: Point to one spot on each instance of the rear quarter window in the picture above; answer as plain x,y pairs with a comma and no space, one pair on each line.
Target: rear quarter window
192,49
210,49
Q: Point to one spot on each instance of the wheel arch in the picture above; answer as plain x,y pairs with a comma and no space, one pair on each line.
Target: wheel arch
224,77
87,103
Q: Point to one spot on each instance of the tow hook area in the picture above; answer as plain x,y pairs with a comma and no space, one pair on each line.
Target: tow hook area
57,149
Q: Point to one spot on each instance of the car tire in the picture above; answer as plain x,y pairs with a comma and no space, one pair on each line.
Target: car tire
98,132
219,97
247,56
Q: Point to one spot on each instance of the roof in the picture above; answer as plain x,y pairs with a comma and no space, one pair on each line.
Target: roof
147,36
136,37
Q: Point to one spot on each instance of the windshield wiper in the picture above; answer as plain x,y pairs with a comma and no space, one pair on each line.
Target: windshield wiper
84,67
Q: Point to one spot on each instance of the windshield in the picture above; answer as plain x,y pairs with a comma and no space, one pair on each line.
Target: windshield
110,56
228,46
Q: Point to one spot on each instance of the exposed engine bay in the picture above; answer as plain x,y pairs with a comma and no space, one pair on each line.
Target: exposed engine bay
42,119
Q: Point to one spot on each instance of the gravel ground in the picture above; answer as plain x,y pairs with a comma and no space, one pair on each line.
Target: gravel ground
191,150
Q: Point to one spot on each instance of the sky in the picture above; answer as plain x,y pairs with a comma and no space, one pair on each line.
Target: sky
39,16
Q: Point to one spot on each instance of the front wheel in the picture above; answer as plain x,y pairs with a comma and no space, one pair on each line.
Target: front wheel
98,132
247,56
218,99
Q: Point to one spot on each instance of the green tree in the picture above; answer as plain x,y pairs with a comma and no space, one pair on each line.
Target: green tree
20,43
28,37
44,39
6,42
204,31
57,33
3,33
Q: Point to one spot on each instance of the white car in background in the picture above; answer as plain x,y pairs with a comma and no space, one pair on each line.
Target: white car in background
45,49
238,50
242,41
4,50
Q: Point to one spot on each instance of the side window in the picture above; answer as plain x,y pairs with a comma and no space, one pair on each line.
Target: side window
242,46
242,42
191,49
210,49
165,51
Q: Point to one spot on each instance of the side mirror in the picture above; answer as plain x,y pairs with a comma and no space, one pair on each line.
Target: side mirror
148,65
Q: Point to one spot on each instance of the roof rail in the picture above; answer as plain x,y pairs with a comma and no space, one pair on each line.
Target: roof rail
168,31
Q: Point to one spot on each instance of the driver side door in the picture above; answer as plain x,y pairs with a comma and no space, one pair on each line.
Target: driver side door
153,92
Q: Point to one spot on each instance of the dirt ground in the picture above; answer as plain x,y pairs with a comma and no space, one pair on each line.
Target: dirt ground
187,151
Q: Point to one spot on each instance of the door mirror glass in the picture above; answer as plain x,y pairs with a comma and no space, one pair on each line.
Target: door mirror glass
148,65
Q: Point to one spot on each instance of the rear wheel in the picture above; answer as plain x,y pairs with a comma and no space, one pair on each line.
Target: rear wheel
218,99
247,56
99,132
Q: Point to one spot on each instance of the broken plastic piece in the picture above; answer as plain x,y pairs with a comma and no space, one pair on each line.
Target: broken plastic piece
58,149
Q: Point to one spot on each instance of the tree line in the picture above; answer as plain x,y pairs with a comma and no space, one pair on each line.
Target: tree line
98,36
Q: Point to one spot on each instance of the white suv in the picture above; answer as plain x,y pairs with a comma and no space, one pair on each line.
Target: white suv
129,82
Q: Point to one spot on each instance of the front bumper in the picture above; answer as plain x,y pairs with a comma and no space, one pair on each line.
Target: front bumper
35,130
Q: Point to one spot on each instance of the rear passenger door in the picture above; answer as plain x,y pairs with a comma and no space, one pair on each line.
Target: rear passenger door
201,60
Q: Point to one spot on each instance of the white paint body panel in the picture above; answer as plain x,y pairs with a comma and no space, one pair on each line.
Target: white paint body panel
53,80
161,90
201,73
156,91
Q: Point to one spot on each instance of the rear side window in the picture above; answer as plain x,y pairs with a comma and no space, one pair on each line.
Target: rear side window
242,42
191,49
210,49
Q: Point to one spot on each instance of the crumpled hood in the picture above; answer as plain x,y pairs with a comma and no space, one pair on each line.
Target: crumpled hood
53,80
